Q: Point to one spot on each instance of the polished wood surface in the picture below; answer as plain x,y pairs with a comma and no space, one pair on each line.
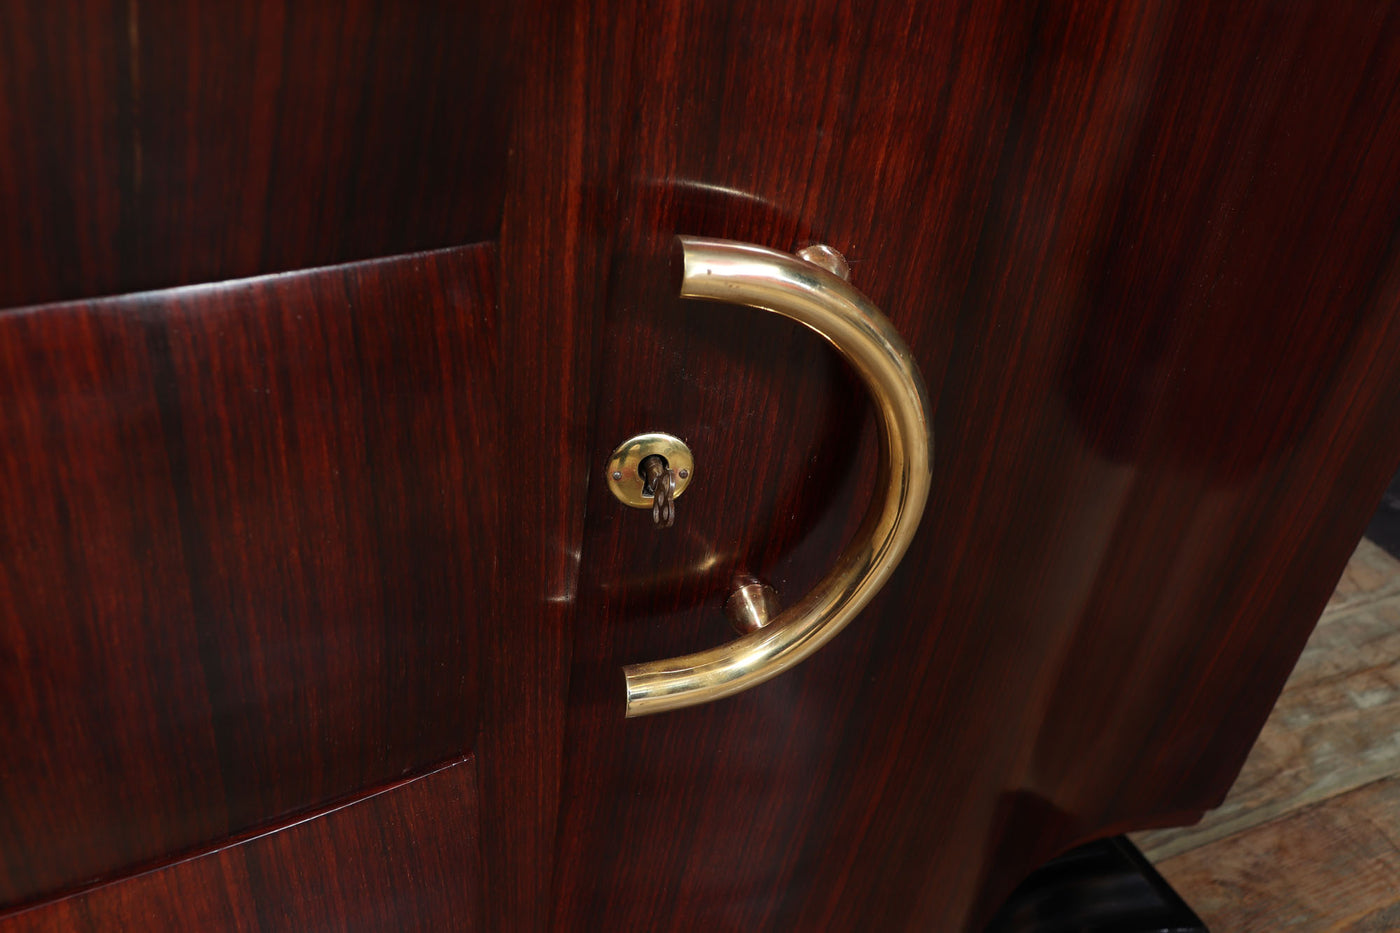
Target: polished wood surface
157,144
242,568
1144,255
405,858
553,272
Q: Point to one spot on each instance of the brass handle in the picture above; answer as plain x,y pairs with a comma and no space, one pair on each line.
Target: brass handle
740,273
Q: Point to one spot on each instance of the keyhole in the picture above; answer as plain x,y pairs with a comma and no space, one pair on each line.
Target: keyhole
650,470
643,464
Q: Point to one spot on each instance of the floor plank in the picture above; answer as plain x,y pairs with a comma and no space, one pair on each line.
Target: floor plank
1370,575
1329,867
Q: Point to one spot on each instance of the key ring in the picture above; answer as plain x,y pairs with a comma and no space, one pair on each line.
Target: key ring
662,482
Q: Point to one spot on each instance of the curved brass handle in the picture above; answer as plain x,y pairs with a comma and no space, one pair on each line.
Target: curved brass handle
740,273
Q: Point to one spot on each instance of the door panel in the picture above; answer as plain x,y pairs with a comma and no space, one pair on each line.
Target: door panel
1144,256
405,858
157,144
244,553
153,145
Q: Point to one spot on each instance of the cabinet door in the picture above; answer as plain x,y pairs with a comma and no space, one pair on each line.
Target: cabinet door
1144,256
242,568
253,542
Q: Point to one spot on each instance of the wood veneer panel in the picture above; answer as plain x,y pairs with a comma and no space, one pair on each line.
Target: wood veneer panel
1145,255
404,858
554,273
172,143
245,554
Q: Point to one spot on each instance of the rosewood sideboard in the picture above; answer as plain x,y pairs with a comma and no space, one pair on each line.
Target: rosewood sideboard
321,323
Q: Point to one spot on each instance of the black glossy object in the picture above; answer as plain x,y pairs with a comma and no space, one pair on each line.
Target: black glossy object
1103,887
1384,528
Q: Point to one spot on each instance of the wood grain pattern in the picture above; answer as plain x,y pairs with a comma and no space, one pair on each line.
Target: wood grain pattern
157,144
552,283
1145,257
1335,728
242,569
1330,867
404,858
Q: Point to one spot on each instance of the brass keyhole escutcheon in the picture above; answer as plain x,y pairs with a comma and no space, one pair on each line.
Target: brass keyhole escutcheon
624,470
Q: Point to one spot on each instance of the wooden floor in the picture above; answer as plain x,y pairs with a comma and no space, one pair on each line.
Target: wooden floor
1309,838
